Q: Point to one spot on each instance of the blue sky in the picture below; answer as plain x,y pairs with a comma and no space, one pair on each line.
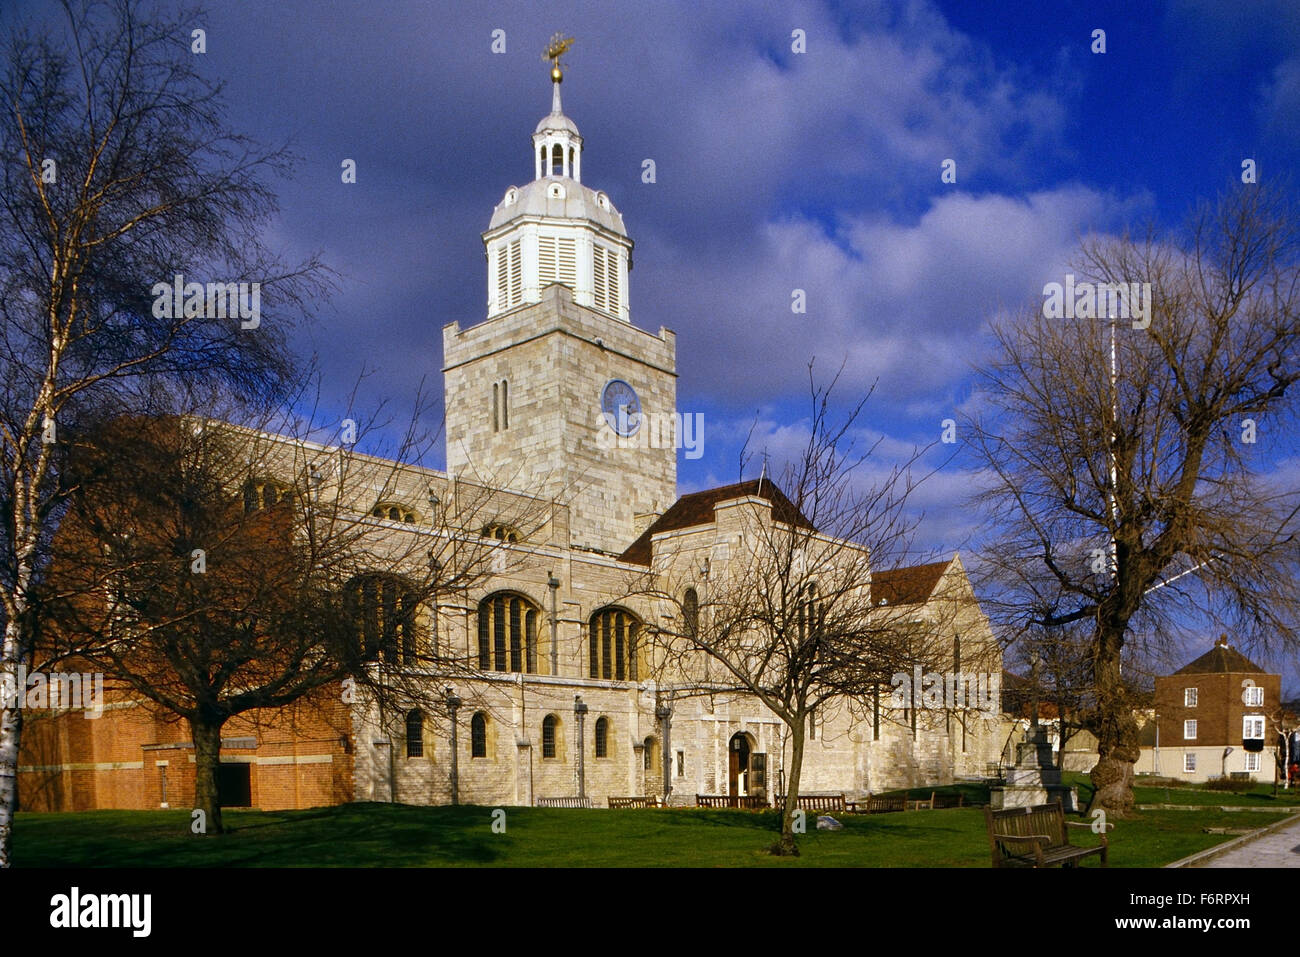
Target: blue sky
775,171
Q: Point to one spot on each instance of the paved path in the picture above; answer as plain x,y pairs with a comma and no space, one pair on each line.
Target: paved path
1280,848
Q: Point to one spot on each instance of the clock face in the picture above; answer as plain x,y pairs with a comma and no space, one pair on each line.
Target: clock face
622,408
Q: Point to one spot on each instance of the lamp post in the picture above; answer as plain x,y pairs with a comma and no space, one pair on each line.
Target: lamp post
553,584
580,716
453,703
664,713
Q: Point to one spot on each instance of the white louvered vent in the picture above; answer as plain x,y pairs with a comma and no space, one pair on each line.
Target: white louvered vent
568,262
600,290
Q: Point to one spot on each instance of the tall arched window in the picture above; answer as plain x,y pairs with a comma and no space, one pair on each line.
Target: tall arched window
809,614
478,735
384,612
507,633
550,725
691,613
612,639
414,734
602,737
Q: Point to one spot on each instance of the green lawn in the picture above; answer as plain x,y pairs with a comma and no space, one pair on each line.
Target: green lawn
365,835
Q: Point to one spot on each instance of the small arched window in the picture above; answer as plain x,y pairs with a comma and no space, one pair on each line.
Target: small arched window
500,532
265,493
549,724
478,735
691,613
557,159
810,614
602,737
394,513
414,734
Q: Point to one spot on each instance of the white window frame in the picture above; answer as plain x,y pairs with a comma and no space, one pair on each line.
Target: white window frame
1189,729
1253,697
1189,697
1189,763
1252,760
1252,722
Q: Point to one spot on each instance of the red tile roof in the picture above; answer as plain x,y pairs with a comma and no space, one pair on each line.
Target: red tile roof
907,586
1221,659
697,509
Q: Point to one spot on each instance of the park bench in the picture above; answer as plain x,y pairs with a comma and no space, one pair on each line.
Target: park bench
749,803
816,802
564,802
635,801
877,804
1037,837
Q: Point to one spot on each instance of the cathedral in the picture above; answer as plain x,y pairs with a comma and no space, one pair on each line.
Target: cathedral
562,436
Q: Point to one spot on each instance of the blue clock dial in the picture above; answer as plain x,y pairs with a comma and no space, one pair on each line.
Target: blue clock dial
622,408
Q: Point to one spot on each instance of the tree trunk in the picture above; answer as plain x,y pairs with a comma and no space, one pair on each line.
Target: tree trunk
11,726
1117,731
786,846
207,759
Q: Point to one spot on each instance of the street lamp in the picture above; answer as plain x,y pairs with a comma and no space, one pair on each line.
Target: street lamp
453,703
580,716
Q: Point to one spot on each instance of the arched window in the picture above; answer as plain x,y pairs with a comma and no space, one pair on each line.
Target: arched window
550,725
264,493
557,159
809,614
414,734
478,735
394,513
507,633
383,609
612,639
500,532
602,737
651,758
691,613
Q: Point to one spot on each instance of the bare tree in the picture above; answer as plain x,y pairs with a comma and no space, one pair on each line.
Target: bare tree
788,617
117,175
1129,473
214,569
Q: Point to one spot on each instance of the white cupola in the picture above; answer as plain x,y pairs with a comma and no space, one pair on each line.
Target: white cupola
555,230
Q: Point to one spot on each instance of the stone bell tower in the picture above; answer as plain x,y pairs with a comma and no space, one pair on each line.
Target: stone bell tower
557,394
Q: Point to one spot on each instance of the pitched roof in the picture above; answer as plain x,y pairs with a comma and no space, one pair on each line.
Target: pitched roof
907,586
1221,659
697,509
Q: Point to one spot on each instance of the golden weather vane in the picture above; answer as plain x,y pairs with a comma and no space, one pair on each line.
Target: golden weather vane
558,46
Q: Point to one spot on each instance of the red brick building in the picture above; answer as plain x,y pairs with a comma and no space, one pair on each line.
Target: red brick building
131,757
1215,718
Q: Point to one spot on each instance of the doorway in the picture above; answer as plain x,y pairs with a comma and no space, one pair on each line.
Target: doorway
739,750
234,785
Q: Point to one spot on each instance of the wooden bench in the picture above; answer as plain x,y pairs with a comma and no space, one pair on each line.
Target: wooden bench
816,802
877,805
748,803
937,800
651,800
1037,837
564,802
